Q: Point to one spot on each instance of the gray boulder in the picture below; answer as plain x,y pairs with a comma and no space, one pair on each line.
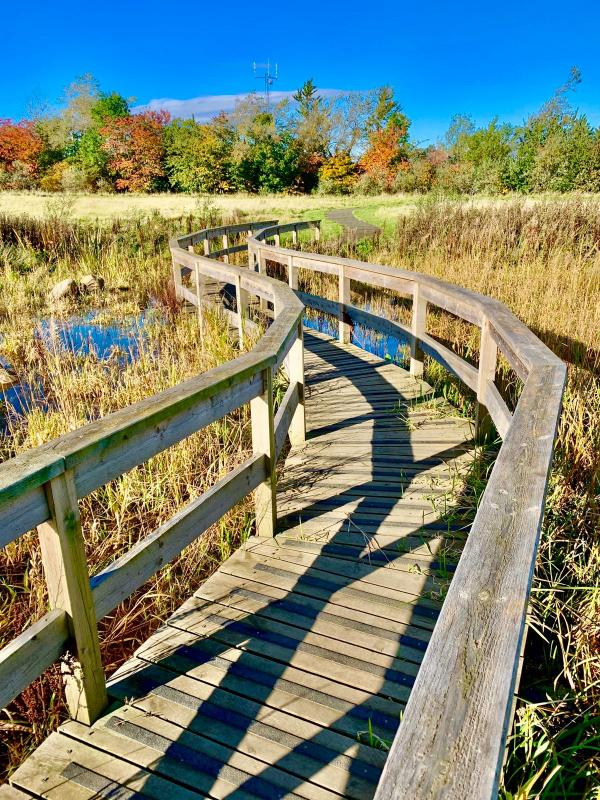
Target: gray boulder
64,290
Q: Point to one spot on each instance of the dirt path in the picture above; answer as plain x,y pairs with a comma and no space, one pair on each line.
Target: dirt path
352,225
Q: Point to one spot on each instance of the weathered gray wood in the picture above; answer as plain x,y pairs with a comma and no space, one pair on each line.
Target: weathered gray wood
284,416
453,748
66,572
263,443
30,653
115,583
418,328
488,356
344,328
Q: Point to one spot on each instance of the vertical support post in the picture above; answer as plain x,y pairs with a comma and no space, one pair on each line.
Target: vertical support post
206,247
177,278
262,269
292,274
67,577
295,368
200,286
317,230
344,298
263,441
225,240
418,326
295,234
488,355
277,238
242,302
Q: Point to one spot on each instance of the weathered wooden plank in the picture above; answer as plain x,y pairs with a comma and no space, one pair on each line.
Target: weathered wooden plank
65,769
30,653
67,578
115,583
454,748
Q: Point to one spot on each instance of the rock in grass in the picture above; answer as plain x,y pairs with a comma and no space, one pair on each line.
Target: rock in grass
92,283
64,290
7,378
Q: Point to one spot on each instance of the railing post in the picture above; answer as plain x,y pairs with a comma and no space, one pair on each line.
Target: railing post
200,286
292,274
242,302
317,230
263,441
295,368
277,239
206,244
67,577
262,270
295,234
225,240
418,327
344,298
177,278
488,354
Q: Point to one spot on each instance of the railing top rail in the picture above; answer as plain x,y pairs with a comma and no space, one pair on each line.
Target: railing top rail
471,306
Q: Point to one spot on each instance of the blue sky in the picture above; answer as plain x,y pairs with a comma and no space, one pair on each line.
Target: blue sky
442,58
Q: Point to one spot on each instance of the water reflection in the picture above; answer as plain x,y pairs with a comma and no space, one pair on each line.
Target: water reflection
83,336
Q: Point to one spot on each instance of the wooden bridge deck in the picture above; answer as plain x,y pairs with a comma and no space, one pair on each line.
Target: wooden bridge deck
293,662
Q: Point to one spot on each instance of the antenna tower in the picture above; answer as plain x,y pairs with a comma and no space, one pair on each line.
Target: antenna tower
268,78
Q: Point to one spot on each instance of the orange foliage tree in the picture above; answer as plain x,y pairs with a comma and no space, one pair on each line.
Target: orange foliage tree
135,149
20,147
387,150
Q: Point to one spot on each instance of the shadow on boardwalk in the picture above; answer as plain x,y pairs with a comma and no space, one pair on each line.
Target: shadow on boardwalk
276,678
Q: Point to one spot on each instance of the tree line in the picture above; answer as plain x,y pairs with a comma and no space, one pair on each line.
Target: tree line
355,142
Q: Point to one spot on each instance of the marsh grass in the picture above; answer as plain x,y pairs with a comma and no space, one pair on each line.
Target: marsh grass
78,387
543,261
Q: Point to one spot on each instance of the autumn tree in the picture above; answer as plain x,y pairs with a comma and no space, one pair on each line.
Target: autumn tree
88,152
388,146
20,150
135,149
199,156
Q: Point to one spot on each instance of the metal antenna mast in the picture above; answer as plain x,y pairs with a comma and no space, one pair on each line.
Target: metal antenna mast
268,79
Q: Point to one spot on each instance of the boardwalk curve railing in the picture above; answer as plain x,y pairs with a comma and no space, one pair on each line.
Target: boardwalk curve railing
451,740
41,487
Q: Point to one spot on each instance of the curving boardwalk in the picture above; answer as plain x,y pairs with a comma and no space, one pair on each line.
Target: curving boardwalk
287,670
360,600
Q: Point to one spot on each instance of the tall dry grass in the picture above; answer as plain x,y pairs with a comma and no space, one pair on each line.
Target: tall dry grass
76,388
543,262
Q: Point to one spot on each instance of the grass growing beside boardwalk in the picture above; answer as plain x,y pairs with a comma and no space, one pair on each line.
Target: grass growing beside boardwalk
543,261
33,256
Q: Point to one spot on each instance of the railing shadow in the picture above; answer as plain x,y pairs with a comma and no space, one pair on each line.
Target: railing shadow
236,655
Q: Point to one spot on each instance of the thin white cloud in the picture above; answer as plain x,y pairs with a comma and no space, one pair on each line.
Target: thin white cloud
207,106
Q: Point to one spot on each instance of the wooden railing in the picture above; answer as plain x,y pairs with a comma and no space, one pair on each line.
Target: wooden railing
451,741
41,488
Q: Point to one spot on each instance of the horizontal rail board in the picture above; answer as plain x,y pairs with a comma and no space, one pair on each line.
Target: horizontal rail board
30,653
498,410
284,415
125,575
450,360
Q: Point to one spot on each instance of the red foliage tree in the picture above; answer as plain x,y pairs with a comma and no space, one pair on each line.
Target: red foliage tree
20,146
135,149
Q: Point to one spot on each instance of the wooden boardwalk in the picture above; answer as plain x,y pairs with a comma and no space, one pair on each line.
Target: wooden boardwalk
287,671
